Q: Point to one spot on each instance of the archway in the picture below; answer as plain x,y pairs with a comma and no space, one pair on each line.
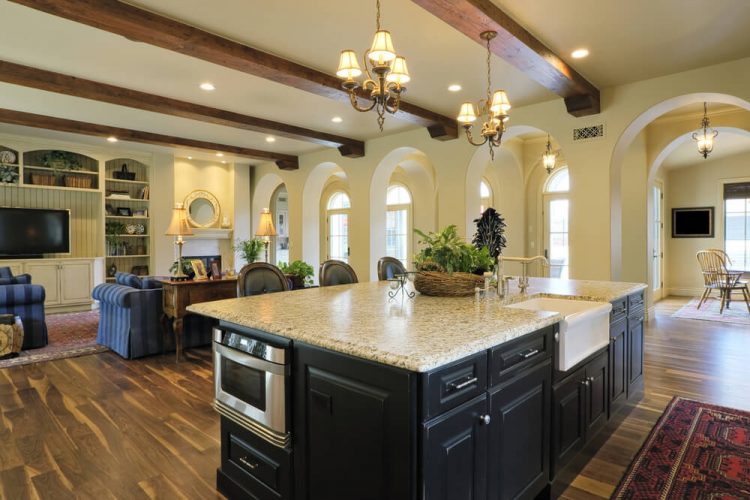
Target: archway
627,137
262,195
418,174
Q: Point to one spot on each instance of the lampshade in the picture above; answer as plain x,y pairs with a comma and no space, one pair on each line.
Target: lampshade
500,103
265,226
467,113
179,225
348,65
382,51
399,72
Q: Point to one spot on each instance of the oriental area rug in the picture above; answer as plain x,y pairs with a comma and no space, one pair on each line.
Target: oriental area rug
69,335
695,451
709,311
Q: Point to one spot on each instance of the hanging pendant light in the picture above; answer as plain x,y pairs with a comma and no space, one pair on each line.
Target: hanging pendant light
391,74
494,109
704,136
548,157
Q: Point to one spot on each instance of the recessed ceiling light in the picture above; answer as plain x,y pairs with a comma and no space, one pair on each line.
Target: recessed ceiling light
219,154
223,161
190,157
112,138
579,53
207,86
454,88
270,139
337,119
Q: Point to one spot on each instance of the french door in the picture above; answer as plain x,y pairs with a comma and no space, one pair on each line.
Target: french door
556,234
657,237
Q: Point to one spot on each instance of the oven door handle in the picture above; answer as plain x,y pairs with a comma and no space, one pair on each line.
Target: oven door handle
248,360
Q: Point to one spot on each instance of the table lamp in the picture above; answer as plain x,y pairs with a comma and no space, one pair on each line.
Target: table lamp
266,229
179,227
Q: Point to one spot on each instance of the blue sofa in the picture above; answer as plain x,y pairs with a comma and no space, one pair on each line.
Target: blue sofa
131,318
20,298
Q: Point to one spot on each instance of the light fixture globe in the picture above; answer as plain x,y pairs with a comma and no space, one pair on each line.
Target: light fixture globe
704,136
548,157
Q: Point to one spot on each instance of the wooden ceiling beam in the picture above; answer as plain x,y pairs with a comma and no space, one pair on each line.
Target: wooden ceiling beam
50,81
285,162
520,48
140,25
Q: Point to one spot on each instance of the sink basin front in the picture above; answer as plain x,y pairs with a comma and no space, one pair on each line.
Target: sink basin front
584,328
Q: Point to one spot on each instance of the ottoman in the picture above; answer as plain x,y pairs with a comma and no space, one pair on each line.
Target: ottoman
11,336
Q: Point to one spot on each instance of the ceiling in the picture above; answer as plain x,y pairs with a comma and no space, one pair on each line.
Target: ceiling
727,143
627,40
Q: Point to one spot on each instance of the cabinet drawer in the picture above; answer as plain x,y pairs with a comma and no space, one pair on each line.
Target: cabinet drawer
619,310
254,462
635,303
451,385
509,358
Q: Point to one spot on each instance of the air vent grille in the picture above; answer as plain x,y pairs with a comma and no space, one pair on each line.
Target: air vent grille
584,133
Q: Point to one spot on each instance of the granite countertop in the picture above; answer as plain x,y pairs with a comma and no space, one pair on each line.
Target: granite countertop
417,334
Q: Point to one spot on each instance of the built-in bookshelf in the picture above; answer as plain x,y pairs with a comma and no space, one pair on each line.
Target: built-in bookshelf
127,218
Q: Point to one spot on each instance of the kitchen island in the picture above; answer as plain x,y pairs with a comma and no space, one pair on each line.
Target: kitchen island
426,397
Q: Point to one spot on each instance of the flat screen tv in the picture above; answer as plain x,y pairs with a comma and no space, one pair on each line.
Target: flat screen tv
32,232
693,222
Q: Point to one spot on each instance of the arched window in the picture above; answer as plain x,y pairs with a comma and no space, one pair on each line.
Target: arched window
398,223
485,196
557,223
337,220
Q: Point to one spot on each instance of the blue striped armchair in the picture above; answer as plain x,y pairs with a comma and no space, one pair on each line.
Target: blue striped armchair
20,298
130,318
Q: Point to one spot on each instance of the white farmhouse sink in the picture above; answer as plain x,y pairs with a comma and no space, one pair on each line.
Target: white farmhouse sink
584,328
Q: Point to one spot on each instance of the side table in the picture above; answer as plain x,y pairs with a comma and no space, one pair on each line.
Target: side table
178,295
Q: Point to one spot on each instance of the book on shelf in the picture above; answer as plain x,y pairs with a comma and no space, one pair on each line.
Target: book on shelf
144,193
118,195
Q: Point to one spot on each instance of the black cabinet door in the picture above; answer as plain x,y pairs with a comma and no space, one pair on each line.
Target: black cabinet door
568,418
597,379
454,453
618,365
635,352
519,435
355,426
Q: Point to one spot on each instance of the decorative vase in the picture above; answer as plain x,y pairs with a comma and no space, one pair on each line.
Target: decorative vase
112,270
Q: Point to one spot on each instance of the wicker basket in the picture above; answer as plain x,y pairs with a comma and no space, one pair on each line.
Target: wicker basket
447,285
43,180
78,181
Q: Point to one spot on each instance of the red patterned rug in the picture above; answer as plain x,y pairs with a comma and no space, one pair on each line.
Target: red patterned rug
695,451
69,335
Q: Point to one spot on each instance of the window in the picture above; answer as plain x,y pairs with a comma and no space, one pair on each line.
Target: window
737,224
337,218
485,196
280,209
556,223
398,223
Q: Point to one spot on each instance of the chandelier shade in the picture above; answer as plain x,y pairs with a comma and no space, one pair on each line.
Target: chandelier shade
382,51
467,114
500,103
348,65
399,72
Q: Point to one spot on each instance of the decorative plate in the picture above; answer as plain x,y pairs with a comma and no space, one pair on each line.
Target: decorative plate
140,229
130,228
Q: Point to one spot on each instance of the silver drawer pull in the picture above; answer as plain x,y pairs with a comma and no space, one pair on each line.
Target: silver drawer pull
456,386
485,419
251,465
529,353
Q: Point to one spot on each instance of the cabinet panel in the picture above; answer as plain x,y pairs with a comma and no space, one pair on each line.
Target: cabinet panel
635,350
568,418
46,274
76,282
596,404
354,425
618,353
454,454
520,435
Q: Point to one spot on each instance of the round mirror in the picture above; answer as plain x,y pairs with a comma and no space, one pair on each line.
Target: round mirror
202,209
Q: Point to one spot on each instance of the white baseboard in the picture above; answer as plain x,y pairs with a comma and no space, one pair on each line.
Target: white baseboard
685,292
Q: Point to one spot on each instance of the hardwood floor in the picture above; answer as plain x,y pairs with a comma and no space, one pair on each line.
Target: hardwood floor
102,427
702,360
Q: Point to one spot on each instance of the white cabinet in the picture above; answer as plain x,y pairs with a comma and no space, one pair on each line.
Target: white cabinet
67,282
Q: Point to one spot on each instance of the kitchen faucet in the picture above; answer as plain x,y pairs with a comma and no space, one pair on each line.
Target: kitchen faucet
523,280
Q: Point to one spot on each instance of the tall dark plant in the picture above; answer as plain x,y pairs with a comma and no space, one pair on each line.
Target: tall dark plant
490,232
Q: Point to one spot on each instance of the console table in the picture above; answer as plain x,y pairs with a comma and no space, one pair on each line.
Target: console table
178,295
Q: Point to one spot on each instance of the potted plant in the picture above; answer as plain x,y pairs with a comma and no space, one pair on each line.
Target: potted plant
8,174
490,233
111,231
249,249
62,161
299,272
187,268
448,266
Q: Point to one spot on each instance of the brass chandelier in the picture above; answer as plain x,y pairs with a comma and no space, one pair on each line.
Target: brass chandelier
549,158
494,108
704,136
390,72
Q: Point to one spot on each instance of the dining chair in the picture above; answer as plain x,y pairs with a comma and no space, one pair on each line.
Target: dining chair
259,278
389,268
336,272
716,276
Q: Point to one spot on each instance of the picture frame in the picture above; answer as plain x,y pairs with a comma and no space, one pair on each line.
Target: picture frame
693,222
215,270
199,269
110,209
124,212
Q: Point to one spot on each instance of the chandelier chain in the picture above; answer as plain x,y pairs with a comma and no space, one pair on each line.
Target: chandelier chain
489,73
377,15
